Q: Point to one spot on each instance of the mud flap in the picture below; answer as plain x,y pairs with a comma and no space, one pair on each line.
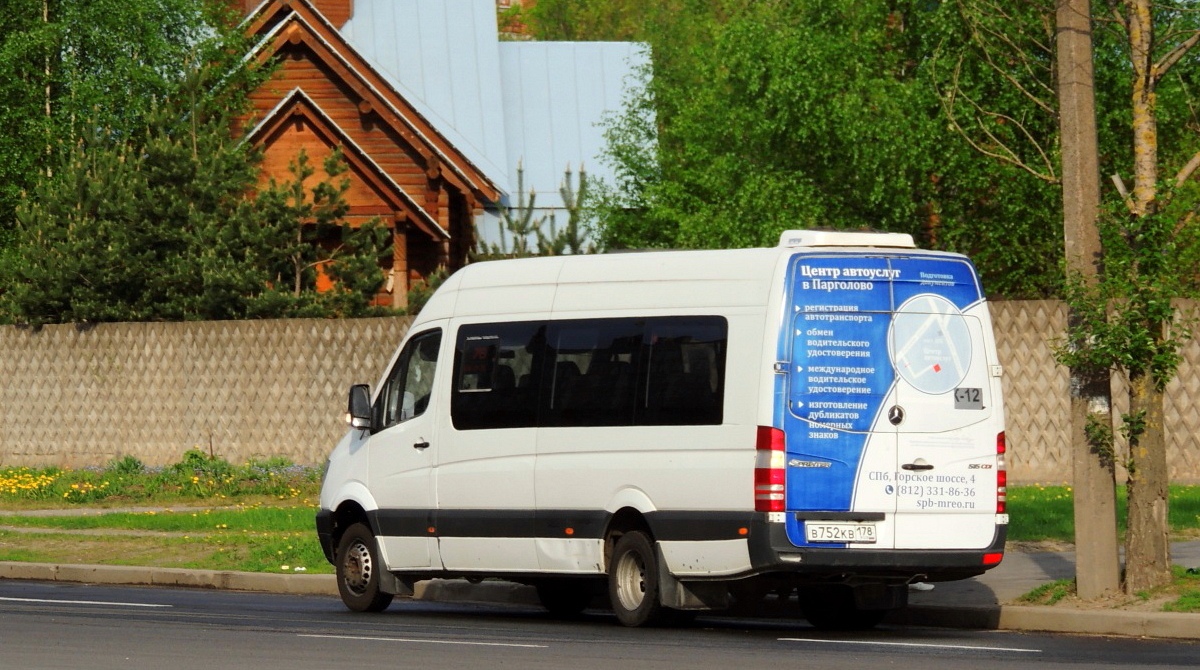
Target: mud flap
679,595
390,583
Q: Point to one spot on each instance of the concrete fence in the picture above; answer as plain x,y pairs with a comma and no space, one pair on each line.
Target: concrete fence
74,397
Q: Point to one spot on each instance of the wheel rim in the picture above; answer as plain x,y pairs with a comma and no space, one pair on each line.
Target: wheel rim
631,581
357,568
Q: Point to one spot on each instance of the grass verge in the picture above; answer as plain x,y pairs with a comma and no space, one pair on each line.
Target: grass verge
258,517
198,478
244,538
1181,595
209,514
1046,513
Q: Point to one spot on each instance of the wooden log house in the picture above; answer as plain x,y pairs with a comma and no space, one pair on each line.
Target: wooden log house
432,157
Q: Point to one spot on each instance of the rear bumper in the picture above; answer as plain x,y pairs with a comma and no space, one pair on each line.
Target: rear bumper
772,552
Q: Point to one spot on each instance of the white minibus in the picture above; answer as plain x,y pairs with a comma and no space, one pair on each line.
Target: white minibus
686,430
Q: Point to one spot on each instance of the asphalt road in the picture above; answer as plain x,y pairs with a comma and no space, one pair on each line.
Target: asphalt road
55,625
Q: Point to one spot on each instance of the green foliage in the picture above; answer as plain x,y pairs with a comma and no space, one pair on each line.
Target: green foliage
596,20
994,69
306,228
127,465
760,117
573,238
422,290
518,222
145,208
534,233
102,63
1126,322
159,227
1099,433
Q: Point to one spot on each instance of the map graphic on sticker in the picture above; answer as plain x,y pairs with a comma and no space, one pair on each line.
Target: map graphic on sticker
930,344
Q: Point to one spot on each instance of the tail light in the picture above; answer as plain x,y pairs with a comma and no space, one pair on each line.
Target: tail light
769,464
1001,475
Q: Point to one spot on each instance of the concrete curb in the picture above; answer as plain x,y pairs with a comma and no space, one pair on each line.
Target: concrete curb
1008,617
138,576
1175,625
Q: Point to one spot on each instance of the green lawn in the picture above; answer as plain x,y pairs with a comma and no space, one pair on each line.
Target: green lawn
259,516
1047,512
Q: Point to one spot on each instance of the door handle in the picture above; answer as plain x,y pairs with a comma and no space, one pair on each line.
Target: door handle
919,464
421,446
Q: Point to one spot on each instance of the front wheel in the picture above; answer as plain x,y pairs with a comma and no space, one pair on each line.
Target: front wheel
358,570
633,581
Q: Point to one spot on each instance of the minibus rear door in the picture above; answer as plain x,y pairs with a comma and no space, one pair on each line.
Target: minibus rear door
943,409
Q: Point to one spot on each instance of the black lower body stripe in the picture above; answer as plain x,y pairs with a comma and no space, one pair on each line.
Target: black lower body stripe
678,526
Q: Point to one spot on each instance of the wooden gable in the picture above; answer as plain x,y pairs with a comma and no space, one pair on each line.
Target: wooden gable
324,95
298,124
337,12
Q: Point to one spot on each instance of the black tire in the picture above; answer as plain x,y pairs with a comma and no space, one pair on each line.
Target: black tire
834,609
633,581
565,597
748,595
358,569
749,592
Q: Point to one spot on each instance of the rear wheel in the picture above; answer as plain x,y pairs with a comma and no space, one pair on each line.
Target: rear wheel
358,570
633,581
565,597
833,608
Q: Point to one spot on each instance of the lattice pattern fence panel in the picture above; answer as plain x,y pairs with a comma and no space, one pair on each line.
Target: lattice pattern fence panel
1182,411
240,389
1036,390
1038,402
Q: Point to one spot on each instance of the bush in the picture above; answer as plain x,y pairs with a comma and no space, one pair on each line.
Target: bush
127,465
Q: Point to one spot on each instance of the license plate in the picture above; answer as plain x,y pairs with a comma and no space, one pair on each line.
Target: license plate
824,531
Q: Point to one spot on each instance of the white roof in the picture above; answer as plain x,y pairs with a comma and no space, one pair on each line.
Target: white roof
500,103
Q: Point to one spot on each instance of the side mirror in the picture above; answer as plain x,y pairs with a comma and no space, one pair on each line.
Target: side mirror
358,408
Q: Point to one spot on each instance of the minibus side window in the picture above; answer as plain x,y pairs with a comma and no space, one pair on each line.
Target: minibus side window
406,390
496,374
594,375
590,372
685,363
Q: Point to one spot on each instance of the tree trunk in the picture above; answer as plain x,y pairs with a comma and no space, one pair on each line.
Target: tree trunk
1147,541
1097,567
1145,124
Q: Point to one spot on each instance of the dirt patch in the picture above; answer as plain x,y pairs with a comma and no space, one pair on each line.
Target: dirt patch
1039,546
1119,601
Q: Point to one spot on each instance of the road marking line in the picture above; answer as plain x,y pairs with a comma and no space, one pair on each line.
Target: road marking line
405,639
80,602
912,644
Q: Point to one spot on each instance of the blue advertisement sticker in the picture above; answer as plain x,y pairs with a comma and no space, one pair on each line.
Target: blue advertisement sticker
843,310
